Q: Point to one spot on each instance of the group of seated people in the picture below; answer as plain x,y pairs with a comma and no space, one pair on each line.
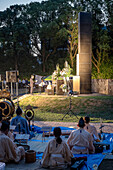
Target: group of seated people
80,141
57,152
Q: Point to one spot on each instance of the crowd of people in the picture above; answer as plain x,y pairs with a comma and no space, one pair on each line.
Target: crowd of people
58,152
23,83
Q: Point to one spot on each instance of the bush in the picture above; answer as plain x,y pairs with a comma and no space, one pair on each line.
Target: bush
106,71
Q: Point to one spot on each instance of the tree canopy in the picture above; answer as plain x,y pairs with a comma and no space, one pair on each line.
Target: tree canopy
37,36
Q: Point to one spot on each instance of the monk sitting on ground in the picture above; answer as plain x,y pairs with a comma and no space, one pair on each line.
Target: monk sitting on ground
91,129
80,141
10,135
57,152
20,122
8,150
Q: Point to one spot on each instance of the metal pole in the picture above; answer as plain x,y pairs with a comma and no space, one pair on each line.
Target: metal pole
17,93
2,85
16,89
11,90
26,88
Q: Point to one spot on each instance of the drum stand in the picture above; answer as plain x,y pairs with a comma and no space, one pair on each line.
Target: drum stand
70,112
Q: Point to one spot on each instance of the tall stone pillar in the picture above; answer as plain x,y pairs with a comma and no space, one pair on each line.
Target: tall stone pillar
84,50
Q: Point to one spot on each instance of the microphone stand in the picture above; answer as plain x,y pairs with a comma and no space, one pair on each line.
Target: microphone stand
70,112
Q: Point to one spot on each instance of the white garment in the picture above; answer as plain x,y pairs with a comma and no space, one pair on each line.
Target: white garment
81,139
92,130
9,151
56,155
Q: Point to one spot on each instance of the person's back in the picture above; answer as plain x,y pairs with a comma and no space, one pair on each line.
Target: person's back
57,153
80,141
20,122
90,128
8,150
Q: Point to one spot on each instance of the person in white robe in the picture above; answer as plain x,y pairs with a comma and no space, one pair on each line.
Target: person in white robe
31,84
8,150
91,129
57,152
80,141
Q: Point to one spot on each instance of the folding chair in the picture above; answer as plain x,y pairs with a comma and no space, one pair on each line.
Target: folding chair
45,129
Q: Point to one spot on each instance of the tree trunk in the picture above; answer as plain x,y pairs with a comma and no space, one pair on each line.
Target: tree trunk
43,55
44,67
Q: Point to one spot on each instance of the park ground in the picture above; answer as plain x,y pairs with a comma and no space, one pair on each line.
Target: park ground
49,111
53,108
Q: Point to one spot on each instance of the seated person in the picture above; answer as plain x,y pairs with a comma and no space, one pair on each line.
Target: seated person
20,122
80,141
10,135
57,152
91,129
8,150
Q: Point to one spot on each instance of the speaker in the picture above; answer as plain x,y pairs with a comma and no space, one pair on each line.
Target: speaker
12,76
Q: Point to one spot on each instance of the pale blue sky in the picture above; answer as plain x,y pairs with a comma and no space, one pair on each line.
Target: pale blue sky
7,3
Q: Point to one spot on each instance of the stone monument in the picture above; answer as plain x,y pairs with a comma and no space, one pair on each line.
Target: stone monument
84,51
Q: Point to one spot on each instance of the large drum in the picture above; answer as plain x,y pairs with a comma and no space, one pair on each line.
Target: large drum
7,108
29,113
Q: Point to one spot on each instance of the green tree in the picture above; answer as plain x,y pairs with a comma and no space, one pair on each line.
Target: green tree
14,35
50,33
73,38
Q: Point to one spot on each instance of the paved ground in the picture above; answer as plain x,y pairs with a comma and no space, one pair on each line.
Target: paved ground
108,127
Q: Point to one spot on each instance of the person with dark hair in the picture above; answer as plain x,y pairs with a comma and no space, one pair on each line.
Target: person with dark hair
57,152
80,141
91,129
20,122
8,150
10,135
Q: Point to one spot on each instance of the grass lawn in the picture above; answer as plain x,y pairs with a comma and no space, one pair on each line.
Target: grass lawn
48,108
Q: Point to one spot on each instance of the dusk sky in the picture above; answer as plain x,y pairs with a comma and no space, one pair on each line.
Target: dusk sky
7,3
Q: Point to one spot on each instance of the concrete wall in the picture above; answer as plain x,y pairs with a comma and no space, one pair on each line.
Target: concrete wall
103,86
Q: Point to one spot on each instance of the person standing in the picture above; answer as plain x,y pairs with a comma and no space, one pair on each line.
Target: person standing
20,83
23,82
26,80
31,85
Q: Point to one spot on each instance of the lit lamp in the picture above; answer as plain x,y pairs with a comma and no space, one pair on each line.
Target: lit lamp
76,79
76,84
77,65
